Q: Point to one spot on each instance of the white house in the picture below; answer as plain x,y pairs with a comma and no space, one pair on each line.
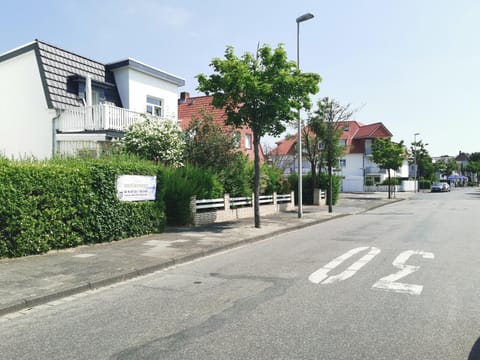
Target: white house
53,101
356,166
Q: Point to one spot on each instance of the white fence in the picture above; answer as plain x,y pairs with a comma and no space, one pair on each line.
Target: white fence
208,211
405,185
97,117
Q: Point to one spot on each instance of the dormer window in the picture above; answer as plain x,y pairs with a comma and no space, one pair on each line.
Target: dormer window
154,106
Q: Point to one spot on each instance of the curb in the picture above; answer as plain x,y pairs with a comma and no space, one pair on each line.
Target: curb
40,300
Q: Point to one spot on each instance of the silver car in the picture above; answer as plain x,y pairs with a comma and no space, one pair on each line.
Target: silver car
440,187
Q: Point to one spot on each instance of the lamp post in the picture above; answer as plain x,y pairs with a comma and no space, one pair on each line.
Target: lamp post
300,19
415,161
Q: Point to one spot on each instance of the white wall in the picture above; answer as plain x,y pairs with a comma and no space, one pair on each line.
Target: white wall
25,121
122,81
354,165
134,86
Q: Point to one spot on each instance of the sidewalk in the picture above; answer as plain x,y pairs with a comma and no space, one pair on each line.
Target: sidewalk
34,280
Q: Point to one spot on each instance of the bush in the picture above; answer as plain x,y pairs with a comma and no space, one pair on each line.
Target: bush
275,180
236,177
307,188
392,181
424,184
181,184
64,203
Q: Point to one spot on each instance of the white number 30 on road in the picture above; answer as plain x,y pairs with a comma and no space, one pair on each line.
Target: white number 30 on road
388,283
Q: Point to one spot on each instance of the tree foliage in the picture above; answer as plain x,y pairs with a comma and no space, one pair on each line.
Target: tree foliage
420,155
157,140
209,144
389,156
260,91
446,167
321,135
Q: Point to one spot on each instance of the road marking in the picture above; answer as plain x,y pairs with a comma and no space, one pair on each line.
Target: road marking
389,283
321,275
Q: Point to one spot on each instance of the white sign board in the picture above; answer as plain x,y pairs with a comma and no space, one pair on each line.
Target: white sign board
136,187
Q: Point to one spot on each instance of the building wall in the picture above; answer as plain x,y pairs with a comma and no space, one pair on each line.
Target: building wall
134,86
122,82
26,122
352,173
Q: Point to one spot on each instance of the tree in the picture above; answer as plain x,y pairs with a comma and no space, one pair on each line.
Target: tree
325,127
156,140
314,137
420,155
446,167
261,92
321,135
209,144
388,155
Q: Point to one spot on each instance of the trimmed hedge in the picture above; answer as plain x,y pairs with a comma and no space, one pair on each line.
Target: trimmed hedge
181,184
307,187
64,203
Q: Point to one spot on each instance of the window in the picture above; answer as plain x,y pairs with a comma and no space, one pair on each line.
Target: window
236,139
342,142
154,106
342,163
248,141
368,147
321,145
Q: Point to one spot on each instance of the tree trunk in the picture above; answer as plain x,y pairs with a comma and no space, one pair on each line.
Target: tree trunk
256,203
314,175
330,189
389,185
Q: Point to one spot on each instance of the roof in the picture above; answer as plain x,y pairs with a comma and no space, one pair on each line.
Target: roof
284,147
191,107
352,133
59,69
150,70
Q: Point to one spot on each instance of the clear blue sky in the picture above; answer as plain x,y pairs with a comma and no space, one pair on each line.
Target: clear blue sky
412,64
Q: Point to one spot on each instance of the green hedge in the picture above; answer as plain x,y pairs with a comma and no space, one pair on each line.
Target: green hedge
307,187
63,203
181,184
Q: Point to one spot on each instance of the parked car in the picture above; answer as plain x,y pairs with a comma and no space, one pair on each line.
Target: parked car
440,187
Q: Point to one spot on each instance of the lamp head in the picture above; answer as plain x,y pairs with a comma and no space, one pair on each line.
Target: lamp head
304,17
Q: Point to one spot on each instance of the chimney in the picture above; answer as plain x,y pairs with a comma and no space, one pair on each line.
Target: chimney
88,90
183,97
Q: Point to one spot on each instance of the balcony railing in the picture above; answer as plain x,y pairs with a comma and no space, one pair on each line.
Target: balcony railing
97,117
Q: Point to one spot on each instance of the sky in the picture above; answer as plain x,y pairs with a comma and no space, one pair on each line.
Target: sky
413,65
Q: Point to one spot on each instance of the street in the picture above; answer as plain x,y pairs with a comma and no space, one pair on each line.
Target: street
397,282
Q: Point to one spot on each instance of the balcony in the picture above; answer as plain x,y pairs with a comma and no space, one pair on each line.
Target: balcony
100,117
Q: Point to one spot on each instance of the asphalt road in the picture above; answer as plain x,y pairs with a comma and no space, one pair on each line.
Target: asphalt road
398,282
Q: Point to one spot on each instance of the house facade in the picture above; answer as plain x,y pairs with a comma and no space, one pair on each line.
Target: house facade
54,101
191,107
356,166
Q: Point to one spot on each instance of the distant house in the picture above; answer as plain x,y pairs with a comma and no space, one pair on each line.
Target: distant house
53,101
356,166
190,107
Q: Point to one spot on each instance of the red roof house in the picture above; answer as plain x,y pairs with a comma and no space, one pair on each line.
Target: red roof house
355,165
195,106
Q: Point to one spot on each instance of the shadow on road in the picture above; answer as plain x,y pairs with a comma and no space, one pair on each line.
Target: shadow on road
475,352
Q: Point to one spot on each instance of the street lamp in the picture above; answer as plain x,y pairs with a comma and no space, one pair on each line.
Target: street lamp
300,19
415,161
